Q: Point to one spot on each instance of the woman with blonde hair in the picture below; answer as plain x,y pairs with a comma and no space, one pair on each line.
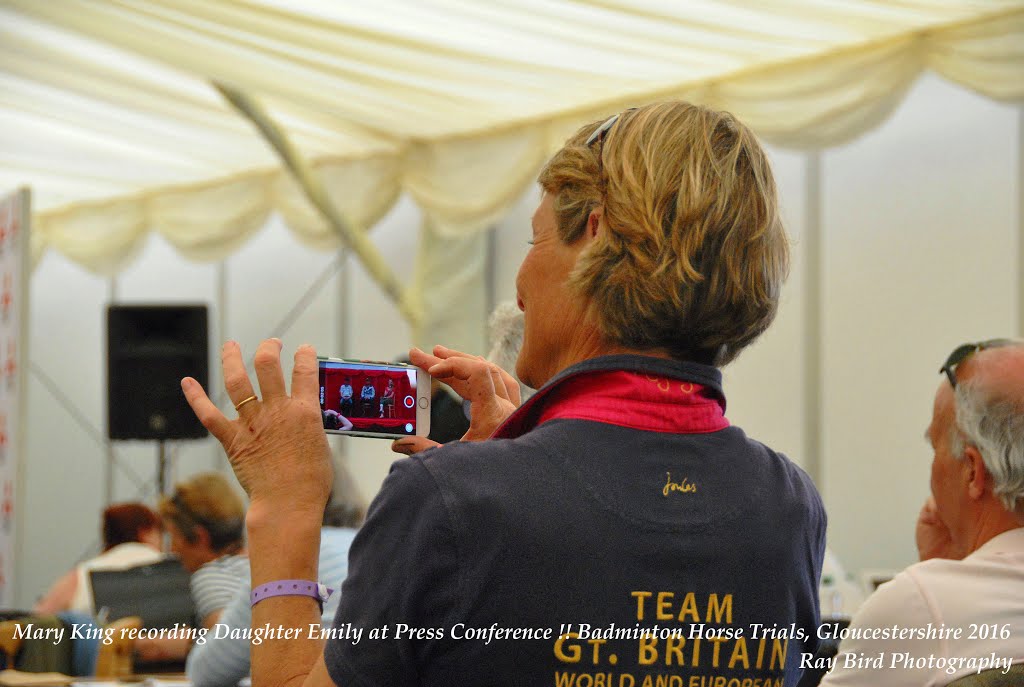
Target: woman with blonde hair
616,528
206,521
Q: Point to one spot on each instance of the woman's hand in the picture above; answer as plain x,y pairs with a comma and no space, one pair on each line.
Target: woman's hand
277,446
492,392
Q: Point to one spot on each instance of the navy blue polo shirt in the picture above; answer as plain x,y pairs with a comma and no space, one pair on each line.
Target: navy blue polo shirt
584,553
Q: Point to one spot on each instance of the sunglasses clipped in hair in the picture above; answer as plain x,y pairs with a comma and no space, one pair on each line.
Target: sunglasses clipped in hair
602,131
965,351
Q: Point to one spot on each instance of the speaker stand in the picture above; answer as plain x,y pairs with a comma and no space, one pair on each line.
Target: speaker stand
162,467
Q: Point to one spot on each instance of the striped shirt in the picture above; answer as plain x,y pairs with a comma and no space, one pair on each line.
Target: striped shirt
221,661
215,584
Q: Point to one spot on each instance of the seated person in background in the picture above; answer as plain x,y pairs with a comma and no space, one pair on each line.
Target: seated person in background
224,660
345,392
367,396
970,536
131,537
206,520
387,399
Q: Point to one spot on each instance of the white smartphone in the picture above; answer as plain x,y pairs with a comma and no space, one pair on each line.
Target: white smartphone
372,399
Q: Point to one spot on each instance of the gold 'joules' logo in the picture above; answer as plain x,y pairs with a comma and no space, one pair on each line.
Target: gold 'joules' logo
665,385
683,487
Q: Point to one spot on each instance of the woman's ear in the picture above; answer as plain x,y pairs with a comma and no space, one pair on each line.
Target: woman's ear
594,221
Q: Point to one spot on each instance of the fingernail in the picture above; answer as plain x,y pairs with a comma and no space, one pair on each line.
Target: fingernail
187,383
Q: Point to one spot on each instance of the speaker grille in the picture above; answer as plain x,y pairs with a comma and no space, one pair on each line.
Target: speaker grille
149,349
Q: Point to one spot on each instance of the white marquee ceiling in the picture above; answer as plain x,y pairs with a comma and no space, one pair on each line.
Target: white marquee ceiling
108,113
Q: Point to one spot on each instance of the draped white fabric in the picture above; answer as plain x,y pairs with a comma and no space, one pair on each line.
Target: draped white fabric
107,112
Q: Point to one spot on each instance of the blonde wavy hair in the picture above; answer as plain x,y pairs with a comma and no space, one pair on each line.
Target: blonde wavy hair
207,500
696,254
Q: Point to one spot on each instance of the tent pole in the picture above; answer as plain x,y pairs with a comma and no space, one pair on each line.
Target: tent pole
342,301
1020,222
310,184
220,459
814,257
343,342
108,473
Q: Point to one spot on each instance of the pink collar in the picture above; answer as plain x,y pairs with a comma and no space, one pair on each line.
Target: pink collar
628,399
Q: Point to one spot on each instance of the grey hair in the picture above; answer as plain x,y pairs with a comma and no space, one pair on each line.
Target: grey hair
506,328
993,424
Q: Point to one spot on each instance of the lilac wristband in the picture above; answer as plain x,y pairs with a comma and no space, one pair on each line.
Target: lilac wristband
320,592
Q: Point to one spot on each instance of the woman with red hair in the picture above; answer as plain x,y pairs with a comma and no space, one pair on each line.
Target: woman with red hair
131,537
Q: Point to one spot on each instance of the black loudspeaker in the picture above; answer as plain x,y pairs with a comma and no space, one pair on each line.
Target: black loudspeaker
149,349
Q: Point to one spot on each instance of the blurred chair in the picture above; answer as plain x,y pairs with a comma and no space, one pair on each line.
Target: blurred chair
114,660
39,655
84,647
993,678
10,643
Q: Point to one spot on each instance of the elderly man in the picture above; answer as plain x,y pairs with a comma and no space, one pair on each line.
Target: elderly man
961,609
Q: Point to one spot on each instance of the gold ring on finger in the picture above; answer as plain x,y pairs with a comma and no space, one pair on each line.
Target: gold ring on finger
244,401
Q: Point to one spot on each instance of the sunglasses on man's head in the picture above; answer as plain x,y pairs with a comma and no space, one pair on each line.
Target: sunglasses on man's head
965,351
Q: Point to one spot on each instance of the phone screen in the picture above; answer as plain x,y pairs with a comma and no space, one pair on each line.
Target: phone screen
368,399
